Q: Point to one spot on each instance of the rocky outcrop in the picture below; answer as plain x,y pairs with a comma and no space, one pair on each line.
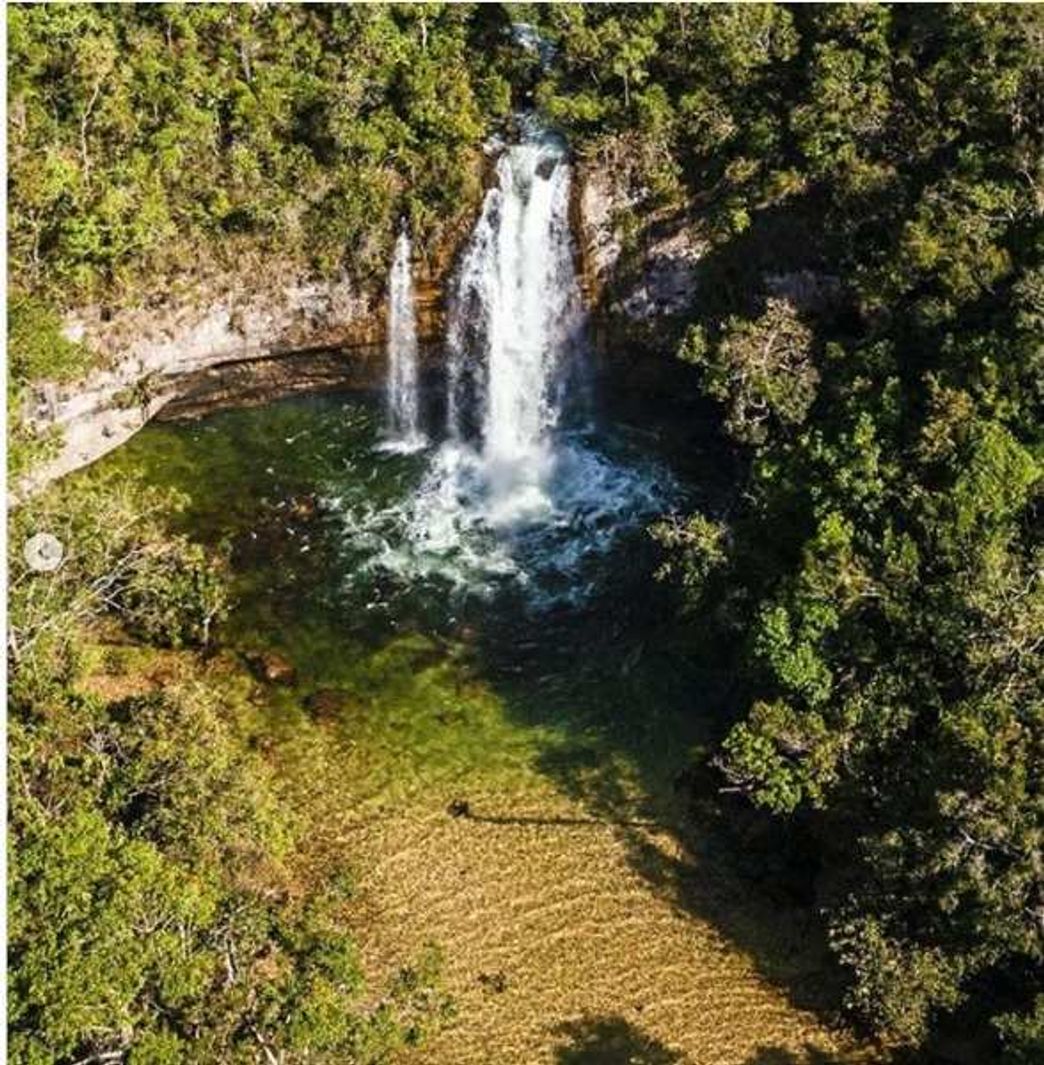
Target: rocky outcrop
144,351
631,272
255,382
642,263
221,339
149,355
667,284
271,667
807,291
639,271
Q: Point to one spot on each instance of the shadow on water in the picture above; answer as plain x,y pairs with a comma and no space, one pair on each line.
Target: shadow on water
609,1041
636,710
810,1055
603,701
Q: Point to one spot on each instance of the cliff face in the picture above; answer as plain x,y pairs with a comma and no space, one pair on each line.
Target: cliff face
144,351
642,266
631,275
639,271
150,354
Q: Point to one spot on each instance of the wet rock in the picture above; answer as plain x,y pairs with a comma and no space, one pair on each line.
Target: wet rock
806,290
328,703
610,189
304,508
272,667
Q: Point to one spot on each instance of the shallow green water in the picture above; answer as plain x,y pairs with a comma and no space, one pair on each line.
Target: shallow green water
438,685
562,720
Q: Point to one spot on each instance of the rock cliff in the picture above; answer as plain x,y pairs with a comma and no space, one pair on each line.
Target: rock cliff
222,335
148,354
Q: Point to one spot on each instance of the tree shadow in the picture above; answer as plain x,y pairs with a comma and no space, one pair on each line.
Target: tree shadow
630,703
559,822
610,1041
630,710
809,1055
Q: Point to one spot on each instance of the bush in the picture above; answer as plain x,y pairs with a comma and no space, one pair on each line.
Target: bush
175,594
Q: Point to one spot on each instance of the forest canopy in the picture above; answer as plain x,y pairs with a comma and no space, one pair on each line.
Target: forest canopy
877,587
882,581
142,134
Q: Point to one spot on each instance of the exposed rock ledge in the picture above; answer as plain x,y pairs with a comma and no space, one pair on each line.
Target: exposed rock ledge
669,253
212,339
147,352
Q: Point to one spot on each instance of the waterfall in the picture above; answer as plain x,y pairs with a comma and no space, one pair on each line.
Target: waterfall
403,417
519,491
514,317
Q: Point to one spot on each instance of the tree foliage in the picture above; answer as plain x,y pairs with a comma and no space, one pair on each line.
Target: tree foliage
153,914
882,574
140,135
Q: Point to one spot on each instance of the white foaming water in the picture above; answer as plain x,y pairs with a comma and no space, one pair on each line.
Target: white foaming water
512,493
514,318
403,418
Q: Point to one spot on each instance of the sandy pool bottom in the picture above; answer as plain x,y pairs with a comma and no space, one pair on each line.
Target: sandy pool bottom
576,938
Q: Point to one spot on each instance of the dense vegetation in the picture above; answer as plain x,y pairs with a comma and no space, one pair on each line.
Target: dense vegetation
143,137
157,908
158,911
881,578
878,580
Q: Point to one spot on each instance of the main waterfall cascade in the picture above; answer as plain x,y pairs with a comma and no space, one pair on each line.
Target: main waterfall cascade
403,417
521,489
514,321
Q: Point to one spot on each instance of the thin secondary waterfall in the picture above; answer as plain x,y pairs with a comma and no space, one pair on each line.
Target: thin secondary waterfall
513,321
403,406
